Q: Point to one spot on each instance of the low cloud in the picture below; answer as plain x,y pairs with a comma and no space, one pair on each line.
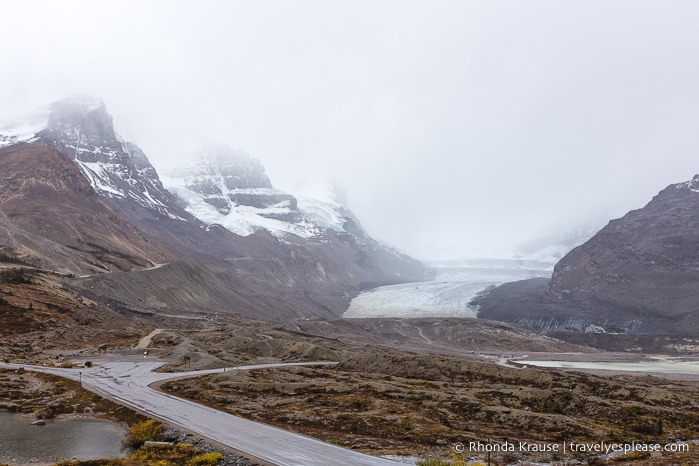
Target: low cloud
456,128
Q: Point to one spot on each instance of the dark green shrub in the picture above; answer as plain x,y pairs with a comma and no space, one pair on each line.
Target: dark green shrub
17,276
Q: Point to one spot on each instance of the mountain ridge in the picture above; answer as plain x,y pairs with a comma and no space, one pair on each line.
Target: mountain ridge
323,271
639,274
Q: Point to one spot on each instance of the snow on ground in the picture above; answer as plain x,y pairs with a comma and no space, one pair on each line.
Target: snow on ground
672,366
448,295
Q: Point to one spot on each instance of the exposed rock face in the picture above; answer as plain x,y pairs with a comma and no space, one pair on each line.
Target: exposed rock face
115,215
638,274
82,129
50,214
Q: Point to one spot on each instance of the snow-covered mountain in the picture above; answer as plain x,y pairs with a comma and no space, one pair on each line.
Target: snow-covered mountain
224,186
81,128
230,240
218,185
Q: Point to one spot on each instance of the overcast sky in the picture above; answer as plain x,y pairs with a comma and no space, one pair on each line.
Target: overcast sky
457,128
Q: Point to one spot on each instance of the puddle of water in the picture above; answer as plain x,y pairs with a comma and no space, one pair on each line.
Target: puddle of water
59,439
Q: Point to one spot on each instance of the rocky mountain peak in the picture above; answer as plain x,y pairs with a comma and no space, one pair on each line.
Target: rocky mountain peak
220,185
238,169
82,129
691,185
223,186
229,179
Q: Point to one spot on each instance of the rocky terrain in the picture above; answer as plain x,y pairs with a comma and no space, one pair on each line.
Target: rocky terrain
637,275
412,386
386,402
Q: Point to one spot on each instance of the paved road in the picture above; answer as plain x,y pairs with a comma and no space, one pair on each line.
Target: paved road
128,383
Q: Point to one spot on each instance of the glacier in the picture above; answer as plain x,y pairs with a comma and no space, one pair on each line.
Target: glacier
450,293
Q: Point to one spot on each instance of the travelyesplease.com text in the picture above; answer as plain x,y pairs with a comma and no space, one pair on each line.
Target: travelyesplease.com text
605,448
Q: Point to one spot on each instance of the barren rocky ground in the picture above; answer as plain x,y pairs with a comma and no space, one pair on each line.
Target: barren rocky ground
383,401
413,386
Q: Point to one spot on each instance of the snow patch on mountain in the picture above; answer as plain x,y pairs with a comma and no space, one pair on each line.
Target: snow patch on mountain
692,185
23,129
98,175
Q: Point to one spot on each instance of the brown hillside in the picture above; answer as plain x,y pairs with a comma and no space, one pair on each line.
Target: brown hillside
50,214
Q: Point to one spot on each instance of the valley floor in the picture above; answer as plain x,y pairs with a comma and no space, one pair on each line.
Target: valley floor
389,403
403,386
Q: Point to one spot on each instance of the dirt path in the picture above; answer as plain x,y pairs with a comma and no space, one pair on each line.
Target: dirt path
145,341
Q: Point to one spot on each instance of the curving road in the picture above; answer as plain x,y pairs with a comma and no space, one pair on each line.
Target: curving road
128,383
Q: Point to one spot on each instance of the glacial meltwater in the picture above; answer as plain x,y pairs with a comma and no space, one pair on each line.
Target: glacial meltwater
651,367
59,439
